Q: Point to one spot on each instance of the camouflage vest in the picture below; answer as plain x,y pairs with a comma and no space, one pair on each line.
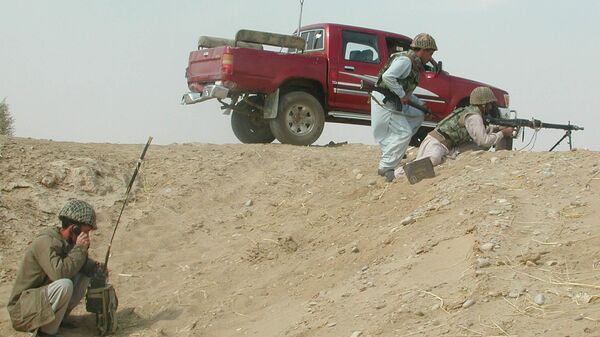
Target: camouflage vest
409,84
453,127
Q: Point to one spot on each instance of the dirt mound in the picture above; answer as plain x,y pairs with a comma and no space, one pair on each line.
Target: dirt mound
276,240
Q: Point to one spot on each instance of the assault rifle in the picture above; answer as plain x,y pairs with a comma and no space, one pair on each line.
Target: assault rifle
535,124
368,84
101,298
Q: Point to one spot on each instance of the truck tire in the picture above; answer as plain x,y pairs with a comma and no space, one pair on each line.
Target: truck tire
249,126
418,137
300,119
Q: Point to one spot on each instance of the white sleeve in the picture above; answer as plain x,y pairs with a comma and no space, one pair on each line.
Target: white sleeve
478,132
399,69
416,100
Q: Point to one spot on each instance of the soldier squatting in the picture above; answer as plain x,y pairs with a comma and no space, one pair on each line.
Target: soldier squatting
55,273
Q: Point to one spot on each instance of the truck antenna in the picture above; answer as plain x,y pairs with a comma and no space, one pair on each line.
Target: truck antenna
300,19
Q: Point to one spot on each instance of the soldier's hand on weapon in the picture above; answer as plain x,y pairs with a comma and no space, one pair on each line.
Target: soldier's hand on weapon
83,240
427,112
404,99
507,132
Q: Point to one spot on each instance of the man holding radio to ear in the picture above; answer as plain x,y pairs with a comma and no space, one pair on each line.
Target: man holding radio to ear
55,272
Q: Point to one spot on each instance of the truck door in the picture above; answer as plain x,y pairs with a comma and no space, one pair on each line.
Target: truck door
360,55
434,90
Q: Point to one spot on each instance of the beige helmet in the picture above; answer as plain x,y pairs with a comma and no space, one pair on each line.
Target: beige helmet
423,41
482,95
79,211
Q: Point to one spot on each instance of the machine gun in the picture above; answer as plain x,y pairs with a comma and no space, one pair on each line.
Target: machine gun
101,298
535,124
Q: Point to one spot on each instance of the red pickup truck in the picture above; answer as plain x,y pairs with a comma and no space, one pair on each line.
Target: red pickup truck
315,77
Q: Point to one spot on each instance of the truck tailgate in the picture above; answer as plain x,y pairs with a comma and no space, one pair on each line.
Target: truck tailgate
205,65
251,70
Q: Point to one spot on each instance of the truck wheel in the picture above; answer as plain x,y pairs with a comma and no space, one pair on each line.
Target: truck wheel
418,137
249,126
300,119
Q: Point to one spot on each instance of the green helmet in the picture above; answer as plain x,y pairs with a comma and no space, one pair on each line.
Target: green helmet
482,95
79,211
423,41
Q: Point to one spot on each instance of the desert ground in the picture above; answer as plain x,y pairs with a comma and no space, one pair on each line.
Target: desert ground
279,240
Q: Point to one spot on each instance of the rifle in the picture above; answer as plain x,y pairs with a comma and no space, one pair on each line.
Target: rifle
101,298
369,84
535,124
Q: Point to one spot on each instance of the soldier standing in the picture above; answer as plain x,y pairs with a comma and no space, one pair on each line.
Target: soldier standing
394,126
463,129
55,272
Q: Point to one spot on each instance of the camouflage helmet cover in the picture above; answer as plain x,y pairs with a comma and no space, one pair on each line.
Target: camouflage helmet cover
482,95
423,41
79,211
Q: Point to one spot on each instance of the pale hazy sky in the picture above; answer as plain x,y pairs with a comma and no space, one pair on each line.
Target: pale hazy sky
113,70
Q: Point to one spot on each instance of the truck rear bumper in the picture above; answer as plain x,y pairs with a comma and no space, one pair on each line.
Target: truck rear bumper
209,91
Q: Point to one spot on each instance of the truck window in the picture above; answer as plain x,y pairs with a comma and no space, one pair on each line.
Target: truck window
395,45
429,66
315,40
360,47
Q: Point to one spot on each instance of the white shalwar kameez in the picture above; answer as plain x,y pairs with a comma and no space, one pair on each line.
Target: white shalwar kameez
394,129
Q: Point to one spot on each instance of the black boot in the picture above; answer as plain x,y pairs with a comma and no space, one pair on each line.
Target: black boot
389,176
382,171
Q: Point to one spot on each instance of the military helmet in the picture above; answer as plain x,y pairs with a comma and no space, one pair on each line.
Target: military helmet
482,95
79,211
423,41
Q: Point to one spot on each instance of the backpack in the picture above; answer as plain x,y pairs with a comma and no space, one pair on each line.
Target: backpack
101,299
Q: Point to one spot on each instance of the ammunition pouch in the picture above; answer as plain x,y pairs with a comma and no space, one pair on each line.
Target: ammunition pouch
101,299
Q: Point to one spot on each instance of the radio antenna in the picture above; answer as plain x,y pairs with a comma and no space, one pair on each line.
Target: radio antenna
300,19
135,173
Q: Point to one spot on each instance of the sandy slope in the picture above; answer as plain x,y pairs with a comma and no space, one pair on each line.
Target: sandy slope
276,240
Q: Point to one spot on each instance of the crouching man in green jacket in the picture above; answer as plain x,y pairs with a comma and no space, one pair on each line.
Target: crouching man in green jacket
55,272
